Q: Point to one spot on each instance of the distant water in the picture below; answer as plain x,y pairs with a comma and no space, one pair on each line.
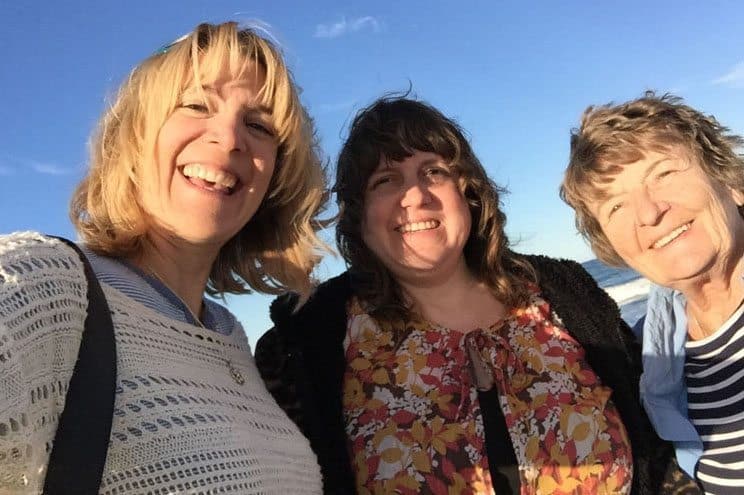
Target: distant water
624,285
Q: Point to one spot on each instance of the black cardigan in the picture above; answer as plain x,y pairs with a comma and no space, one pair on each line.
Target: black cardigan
302,362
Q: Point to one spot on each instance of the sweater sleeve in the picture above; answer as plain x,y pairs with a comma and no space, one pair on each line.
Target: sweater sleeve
43,306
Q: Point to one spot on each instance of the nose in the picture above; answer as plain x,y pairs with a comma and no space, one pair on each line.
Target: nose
649,209
225,131
414,194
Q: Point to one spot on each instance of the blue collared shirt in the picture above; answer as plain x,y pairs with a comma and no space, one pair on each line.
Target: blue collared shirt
663,388
152,293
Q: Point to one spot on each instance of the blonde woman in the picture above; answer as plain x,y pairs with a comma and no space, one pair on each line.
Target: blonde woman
204,178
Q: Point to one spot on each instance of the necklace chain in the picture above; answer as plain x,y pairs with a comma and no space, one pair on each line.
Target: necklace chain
701,328
235,373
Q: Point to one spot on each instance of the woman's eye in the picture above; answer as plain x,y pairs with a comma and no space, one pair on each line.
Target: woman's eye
615,208
664,174
258,126
379,181
437,174
384,182
196,107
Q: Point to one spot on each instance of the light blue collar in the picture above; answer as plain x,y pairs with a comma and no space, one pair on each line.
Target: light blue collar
663,388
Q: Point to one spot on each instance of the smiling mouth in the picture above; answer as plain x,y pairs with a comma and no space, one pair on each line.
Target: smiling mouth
671,236
407,228
216,181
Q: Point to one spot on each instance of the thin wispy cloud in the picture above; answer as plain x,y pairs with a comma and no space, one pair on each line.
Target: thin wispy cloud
50,169
5,170
733,78
346,26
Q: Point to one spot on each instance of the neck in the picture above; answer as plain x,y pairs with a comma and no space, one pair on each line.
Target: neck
442,301
184,268
713,299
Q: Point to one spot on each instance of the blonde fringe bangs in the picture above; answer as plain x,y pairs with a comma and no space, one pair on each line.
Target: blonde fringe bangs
278,249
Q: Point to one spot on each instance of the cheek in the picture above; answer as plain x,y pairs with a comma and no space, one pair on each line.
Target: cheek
365,230
620,240
372,227
267,173
463,212
165,142
373,217
467,219
159,169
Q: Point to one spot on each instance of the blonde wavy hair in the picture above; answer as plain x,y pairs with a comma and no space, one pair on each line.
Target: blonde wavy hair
278,248
612,136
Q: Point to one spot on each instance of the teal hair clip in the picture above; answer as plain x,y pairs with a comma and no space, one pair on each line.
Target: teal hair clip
168,46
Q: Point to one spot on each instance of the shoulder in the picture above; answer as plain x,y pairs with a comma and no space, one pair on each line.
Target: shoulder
588,312
555,269
43,289
33,258
39,275
33,244
330,296
319,322
565,278
43,301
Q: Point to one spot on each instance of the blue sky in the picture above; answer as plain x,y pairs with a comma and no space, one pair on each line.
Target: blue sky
516,75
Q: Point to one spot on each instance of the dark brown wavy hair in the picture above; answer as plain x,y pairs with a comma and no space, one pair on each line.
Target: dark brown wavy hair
392,129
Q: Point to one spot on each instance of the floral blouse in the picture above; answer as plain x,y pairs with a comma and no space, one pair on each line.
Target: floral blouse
414,423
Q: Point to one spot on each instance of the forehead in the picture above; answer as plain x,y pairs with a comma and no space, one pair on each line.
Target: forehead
607,176
604,187
417,158
221,72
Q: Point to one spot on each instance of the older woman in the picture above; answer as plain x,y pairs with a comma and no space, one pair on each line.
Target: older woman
203,175
442,362
658,186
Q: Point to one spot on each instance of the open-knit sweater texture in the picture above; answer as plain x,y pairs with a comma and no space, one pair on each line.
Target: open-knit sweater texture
181,423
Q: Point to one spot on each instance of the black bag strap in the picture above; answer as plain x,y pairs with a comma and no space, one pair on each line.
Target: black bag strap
81,442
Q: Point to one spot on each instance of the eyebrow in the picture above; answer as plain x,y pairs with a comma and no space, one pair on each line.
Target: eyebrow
430,161
649,171
653,166
387,165
260,108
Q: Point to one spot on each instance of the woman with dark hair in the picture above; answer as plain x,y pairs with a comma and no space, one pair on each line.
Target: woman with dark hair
442,361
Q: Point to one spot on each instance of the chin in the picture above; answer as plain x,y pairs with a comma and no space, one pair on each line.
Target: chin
207,237
681,270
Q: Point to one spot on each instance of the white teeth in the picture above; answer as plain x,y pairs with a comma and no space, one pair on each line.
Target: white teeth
670,236
417,226
218,178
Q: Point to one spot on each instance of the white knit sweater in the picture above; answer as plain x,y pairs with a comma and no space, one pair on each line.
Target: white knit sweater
181,423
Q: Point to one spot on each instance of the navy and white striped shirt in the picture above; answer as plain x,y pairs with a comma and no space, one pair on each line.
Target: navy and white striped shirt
714,371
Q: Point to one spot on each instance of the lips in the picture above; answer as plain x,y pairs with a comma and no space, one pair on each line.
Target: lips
410,227
671,236
210,179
